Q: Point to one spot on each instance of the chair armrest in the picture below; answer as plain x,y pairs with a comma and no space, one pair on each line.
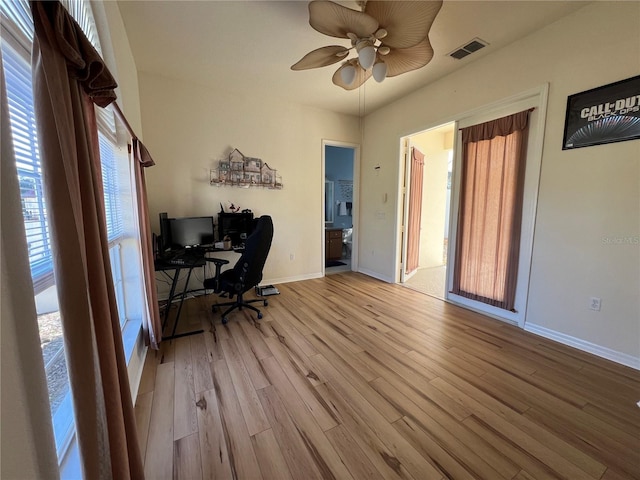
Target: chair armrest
217,261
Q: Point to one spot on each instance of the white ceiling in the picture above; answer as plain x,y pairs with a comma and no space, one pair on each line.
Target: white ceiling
235,46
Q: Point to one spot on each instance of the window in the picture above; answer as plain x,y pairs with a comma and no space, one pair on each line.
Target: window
120,208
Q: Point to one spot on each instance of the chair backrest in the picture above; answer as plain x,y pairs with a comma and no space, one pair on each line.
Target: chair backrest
256,249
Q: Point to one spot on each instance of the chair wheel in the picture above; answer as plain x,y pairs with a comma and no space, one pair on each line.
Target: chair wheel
266,303
259,315
224,320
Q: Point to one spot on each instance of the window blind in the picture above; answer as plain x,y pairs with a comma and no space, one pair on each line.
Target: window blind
18,30
111,186
25,143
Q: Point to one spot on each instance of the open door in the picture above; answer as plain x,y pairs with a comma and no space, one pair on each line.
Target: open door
415,159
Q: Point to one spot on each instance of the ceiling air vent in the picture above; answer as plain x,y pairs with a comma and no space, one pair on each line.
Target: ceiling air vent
473,46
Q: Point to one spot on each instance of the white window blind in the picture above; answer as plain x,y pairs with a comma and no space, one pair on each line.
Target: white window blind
111,186
25,143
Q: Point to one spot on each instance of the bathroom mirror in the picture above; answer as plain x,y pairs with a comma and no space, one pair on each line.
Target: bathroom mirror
329,204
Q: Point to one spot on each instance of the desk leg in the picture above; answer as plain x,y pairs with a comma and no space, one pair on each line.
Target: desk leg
182,296
172,291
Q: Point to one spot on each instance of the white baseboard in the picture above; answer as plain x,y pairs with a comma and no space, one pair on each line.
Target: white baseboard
295,278
376,275
600,351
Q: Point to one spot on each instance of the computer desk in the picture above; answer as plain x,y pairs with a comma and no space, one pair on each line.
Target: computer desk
191,260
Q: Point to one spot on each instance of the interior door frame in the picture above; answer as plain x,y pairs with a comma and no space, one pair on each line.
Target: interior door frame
355,210
535,98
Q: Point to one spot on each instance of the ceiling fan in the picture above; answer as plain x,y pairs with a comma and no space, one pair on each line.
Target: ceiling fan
390,37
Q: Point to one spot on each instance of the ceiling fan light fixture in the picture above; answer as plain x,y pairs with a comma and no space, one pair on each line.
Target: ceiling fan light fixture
380,34
348,74
367,56
390,38
379,71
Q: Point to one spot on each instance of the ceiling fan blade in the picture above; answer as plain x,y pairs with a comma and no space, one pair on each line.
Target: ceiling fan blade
407,23
404,60
362,76
321,57
336,21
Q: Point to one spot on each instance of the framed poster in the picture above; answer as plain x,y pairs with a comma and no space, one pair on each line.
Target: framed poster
606,114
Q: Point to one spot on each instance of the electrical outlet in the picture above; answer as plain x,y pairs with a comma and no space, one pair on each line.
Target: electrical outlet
292,256
594,303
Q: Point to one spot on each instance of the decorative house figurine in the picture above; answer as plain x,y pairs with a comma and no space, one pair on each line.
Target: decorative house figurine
241,171
268,175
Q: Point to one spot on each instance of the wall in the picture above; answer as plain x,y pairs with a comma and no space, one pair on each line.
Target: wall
588,215
189,128
339,166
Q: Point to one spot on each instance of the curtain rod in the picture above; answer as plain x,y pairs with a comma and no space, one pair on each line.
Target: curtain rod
123,119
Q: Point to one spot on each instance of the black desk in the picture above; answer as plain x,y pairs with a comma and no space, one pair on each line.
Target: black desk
190,261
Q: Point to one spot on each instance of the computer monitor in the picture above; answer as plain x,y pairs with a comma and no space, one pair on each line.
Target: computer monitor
191,231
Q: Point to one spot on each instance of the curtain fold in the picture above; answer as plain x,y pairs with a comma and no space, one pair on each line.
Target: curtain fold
68,78
490,216
415,210
151,327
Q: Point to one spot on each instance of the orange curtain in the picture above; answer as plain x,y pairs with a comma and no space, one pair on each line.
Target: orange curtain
415,210
490,217
68,78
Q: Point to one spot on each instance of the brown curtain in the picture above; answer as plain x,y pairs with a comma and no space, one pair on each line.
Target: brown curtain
490,217
415,210
152,328
68,77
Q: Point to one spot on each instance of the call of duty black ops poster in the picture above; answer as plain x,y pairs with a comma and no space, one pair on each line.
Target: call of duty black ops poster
606,114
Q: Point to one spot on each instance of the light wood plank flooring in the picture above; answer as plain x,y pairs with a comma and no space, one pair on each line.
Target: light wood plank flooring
347,377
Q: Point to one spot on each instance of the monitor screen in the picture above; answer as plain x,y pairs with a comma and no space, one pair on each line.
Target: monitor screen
238,226
191,231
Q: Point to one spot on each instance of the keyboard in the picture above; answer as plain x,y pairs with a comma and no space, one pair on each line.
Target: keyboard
183,258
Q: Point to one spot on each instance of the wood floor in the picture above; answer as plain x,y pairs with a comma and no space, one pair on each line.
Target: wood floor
349,377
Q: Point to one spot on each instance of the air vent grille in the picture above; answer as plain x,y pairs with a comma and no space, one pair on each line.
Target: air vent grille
472,46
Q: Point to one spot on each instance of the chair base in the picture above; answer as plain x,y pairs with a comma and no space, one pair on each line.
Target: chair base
239,303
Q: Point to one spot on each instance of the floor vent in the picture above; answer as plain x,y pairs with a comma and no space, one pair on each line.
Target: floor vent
472,46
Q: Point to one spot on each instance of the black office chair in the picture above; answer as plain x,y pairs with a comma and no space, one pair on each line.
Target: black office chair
246,273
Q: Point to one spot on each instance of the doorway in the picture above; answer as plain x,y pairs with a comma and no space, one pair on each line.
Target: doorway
340,172
428,172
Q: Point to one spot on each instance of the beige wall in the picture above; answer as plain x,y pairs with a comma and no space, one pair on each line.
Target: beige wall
588,197
188,128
